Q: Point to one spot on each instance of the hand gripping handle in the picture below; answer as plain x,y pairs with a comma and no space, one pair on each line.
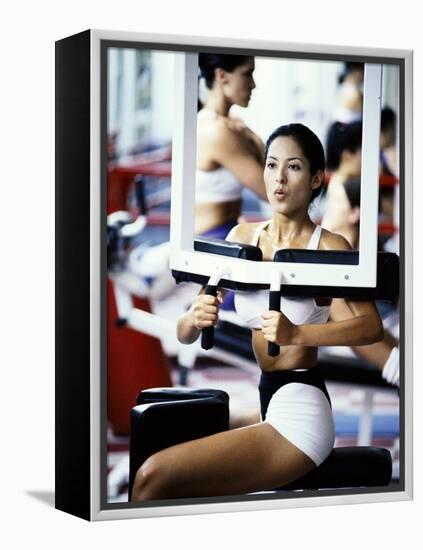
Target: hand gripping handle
274,305
207,334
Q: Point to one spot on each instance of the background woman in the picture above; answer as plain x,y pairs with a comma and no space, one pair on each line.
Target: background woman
297,431
344,163
229,155
229,159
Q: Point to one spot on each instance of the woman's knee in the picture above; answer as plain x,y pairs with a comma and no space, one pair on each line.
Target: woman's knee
149,480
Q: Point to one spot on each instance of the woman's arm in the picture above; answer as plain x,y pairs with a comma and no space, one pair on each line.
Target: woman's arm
378,353
204,311
253,141
233,151
362,328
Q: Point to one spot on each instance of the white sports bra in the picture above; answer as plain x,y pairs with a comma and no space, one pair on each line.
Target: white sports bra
218,185
300,311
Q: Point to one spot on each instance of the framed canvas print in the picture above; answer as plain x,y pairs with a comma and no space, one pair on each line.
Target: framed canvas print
233,275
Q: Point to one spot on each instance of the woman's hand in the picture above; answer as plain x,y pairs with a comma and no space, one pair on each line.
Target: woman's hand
205,310
277,328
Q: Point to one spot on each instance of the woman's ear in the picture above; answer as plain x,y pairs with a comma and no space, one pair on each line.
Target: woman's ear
318,179
220,75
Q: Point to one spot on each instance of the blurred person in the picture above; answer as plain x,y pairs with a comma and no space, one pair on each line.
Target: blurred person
229,159
350,93
388,163
388,127
343,152
350,109
229,154
383,355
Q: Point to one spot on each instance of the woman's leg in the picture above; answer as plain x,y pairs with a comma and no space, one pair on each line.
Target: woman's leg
245,418
238,461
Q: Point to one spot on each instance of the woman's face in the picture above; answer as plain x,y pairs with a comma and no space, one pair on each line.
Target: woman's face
351,162
287,177
239,84
352,91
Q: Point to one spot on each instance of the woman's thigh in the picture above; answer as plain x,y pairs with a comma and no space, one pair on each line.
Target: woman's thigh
234,462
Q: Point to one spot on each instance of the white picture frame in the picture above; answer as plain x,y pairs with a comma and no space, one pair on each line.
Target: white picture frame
80,359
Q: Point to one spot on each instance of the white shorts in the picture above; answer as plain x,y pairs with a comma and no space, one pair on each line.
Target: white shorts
302,414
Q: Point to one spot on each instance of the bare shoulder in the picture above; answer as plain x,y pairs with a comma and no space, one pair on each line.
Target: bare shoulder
333,241
221,133
242,233
214,127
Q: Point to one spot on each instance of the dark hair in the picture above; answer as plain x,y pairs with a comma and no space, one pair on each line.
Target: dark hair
342,137
387,118
310,144
352,189
350,67
208,62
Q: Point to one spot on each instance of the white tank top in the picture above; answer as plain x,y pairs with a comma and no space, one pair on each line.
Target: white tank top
218,185
300,311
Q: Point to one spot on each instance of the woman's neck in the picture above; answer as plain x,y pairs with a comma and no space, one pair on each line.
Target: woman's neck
217,103
343,173
283,230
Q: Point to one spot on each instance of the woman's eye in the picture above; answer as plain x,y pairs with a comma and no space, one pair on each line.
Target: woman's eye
294,166
270,165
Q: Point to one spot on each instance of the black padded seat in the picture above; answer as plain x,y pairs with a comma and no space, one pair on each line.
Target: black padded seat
168,416
348,467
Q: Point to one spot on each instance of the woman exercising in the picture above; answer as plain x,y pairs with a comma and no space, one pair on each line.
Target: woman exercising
229,155
297,431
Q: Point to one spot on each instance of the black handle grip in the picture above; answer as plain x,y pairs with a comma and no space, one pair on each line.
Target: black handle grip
207,334
274,305
139,185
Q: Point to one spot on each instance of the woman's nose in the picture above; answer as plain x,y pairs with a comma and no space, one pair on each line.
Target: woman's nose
280,176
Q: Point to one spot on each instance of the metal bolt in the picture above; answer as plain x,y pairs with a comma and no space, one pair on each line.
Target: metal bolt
293,275
346,277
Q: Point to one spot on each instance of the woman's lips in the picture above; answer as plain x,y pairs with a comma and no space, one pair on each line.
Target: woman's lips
280,195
